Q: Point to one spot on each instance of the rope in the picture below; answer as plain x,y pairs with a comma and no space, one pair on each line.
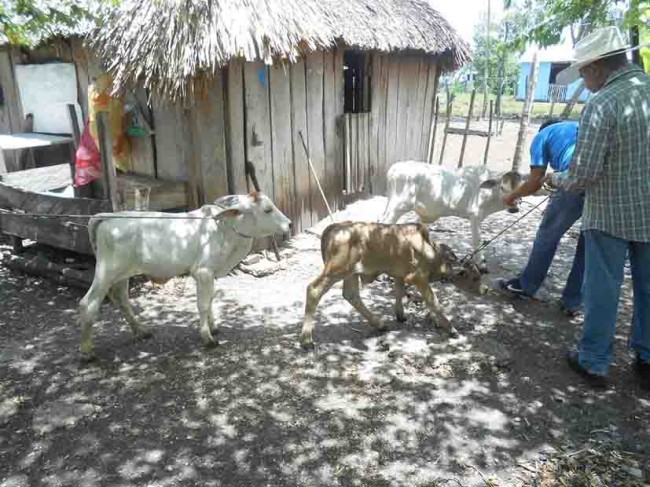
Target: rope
487,243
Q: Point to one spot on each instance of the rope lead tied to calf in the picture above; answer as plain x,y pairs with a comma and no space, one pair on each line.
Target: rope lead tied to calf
488,242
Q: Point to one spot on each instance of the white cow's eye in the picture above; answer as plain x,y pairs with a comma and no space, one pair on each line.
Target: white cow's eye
268,210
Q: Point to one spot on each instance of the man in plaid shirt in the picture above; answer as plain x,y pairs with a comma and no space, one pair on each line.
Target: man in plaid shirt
612,164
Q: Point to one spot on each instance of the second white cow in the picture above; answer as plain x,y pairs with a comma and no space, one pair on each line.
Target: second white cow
472,192
206,243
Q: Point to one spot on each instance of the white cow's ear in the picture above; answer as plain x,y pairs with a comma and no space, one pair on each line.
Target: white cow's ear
488,184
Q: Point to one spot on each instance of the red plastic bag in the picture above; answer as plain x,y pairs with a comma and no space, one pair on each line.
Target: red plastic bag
88,162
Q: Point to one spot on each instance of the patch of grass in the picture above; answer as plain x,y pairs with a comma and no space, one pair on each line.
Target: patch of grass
510,106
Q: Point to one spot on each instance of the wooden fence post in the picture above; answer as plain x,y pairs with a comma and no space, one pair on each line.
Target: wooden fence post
489,137
444,137
469,120
433,131
109,176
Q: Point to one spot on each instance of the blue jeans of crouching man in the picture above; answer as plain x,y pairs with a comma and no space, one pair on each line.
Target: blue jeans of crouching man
562,211
605,262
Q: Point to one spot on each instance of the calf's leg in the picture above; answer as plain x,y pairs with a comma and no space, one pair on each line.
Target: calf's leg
399,296
479,258
351,295
435,312
315,292
119,294
205,292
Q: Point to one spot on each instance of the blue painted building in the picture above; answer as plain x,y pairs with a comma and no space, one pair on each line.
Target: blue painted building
551,61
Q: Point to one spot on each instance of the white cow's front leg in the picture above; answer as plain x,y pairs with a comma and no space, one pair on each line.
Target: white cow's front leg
479,258
204,293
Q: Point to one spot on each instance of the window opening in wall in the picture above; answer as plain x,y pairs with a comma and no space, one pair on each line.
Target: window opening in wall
555,69
357,82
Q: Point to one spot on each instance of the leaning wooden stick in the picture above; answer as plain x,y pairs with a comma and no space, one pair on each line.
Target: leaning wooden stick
250,172
313,172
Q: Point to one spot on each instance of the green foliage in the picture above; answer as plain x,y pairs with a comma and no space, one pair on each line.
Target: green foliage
28,22
501,57
552,17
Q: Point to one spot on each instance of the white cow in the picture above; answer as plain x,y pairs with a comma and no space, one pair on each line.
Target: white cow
472,192
206,243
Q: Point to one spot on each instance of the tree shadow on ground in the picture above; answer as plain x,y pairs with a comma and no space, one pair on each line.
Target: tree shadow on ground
409,407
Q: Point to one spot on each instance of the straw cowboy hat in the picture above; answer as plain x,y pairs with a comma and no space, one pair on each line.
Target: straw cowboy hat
600,44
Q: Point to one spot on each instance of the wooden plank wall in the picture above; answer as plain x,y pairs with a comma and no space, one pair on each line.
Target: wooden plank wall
397,127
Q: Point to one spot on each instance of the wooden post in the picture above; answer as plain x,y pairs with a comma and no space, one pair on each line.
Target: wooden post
444,137
525,116
469,120
109,176
433,132
76,137
489,137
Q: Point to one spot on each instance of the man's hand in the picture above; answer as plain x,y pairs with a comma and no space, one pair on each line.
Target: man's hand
510,199
549,181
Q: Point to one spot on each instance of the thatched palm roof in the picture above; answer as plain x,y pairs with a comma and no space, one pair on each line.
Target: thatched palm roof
167,43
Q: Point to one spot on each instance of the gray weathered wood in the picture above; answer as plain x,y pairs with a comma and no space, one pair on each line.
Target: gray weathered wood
469,132
170,139
193,160
108,169
405,82
40,266
258,122
380,90
300,165
431,145
315,126
469,120
210,130
332,109
280,85
236,130
416,89
373,132
60,233
391,109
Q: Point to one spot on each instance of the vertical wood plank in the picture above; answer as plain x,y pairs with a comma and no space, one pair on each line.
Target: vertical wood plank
332,109
354,149
315,129
391,109
11,113
381,90
280,80
258,123
404,91
430,97
236,133
362,183
373,132
417,90
300,165
339,88
196,197
211,143
171,135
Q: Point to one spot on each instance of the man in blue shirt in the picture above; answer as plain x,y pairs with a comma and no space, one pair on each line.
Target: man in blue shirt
552,146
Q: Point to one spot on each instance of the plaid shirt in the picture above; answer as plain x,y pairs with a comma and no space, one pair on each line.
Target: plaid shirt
612,157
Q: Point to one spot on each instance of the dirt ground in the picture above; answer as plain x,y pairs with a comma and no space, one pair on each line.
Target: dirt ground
495,406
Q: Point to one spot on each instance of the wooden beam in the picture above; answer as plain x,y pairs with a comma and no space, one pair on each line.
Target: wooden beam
76,137
109,182
460,131
57,232
431,145
444,137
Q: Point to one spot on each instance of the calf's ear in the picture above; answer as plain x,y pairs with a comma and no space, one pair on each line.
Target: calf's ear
488,184
229,213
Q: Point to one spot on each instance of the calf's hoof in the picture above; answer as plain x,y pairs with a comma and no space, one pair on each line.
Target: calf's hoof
143,335
400,316
453,333
86,358
307,346
211,344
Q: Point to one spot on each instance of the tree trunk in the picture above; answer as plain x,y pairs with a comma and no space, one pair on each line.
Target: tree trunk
525,116
487,62
574,99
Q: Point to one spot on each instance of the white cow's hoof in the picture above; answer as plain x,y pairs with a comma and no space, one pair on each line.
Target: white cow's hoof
87,358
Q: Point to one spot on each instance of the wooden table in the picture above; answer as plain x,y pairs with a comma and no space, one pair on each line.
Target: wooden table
28,141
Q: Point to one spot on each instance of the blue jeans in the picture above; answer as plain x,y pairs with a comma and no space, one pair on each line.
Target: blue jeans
562,211
605,263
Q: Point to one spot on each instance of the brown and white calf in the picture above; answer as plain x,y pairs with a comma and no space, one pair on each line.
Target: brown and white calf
359,250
